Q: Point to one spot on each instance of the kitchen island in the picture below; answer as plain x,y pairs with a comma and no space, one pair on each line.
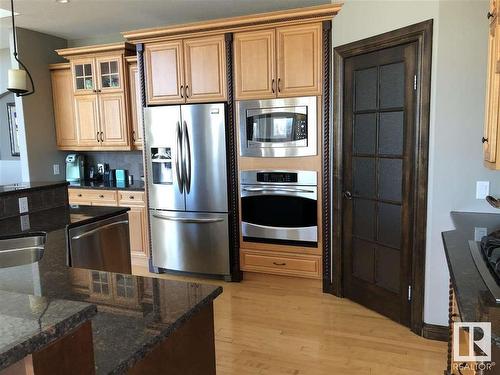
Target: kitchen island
142,325
470,299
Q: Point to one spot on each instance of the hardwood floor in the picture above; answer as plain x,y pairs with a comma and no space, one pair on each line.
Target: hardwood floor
279,325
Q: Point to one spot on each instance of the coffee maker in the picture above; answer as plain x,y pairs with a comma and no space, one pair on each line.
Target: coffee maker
74,167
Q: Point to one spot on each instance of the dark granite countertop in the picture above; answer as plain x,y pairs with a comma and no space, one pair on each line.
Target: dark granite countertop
133,313
474,300
57,218
29,186
28,323
137,185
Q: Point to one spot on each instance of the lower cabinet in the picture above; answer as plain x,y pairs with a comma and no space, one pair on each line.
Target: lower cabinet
138,218
289,264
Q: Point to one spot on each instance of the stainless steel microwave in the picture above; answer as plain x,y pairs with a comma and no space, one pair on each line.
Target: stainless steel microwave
278,127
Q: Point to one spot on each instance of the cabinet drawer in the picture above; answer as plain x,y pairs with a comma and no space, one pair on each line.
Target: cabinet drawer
282,264
131,197
91,196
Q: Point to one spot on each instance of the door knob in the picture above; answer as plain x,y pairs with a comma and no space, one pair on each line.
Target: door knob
347,194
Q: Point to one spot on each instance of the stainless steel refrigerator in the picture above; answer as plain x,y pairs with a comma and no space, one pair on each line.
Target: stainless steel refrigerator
185,150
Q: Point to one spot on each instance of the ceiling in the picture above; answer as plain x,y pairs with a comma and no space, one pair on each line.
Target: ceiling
82,19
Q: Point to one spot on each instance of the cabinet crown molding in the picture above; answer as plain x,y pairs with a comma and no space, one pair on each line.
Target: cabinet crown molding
113,47
314,12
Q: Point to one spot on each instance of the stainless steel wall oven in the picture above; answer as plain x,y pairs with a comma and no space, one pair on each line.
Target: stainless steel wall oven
278,127
279,207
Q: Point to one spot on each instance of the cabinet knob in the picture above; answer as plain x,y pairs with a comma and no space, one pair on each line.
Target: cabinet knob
484,140
279,84
348,194
187,91
489,15
131,197
101,196
279,264
79,195
182,91
133,136
272,85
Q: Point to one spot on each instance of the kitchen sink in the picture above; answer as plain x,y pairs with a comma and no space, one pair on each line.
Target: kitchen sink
18,251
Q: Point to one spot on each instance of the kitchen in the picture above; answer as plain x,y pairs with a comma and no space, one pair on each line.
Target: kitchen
248,191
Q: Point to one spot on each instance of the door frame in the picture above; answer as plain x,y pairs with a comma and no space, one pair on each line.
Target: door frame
422,34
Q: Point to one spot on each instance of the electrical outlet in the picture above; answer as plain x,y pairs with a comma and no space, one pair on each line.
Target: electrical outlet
482,189
25,222
23,205
56,169
479,233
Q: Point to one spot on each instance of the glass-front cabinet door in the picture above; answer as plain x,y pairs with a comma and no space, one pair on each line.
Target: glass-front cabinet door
84,76
110,77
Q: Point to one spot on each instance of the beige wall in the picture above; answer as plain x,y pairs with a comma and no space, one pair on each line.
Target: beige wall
37,129
457,113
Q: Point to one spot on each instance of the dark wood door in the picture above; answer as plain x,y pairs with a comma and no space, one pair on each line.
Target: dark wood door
379,144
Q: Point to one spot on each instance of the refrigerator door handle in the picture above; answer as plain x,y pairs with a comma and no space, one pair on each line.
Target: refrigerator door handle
178,167
188,220
187,157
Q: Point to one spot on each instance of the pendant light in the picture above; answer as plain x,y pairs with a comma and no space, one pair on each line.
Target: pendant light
17,77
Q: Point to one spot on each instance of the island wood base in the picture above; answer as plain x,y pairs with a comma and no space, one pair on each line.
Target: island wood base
190,350
71,354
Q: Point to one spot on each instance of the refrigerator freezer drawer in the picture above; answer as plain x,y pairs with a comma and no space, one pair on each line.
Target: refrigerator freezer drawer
190,242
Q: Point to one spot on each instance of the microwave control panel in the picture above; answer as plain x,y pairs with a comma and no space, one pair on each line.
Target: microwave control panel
301,130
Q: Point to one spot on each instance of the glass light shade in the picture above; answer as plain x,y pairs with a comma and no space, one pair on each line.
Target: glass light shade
17,81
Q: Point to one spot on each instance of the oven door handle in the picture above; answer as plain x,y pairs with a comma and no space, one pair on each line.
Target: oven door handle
286,190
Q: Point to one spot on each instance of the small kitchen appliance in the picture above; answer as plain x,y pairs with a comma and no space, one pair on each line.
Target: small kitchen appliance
74,167
278,127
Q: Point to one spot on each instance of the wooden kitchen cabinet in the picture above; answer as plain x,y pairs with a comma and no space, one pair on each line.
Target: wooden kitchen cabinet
135,103
490,138
299,60
138,224
101,100
164,72
113,121
87,120
254,64
62,97
205,69
186,71
280,62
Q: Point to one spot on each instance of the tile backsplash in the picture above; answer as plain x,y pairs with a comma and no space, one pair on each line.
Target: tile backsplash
130,160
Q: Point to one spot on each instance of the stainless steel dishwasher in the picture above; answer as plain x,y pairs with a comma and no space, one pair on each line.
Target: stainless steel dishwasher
103,245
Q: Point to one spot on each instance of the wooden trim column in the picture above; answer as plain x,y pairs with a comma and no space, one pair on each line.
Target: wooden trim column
327,67
232,168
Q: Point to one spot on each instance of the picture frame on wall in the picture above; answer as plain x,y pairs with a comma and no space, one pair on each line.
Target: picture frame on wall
13,129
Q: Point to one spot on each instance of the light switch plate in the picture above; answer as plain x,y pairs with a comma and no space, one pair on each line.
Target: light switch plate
56,169
479,233
25,222
482,189
23,205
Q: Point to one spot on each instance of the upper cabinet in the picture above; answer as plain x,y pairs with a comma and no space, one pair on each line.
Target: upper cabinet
100,98
280,62
64,114
255,64
186,71
135,102
491,125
